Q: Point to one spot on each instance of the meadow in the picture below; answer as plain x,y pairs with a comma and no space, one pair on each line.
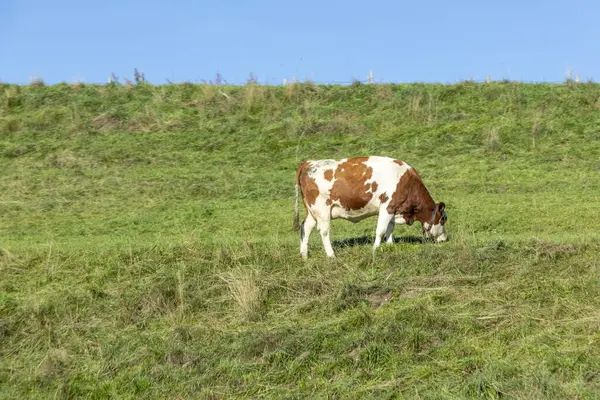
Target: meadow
146,243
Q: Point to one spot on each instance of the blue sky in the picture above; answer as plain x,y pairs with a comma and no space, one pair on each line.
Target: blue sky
325,41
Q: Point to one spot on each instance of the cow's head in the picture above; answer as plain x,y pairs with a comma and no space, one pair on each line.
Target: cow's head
436,227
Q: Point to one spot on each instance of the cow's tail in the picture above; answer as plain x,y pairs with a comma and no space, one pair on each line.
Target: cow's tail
298,193
296,211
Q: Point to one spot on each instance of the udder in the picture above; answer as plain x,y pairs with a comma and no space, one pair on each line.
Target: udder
354,215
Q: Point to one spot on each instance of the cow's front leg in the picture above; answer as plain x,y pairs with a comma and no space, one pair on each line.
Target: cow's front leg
383,223
389,238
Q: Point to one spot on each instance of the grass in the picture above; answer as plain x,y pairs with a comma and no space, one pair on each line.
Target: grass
146,246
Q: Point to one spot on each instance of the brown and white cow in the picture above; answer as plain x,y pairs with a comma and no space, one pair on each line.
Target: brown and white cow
361,187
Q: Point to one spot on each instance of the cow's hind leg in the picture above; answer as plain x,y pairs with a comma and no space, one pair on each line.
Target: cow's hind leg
389,238
383,223
325,228
305,229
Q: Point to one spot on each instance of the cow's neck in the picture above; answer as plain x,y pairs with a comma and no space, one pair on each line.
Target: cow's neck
424,207
415,202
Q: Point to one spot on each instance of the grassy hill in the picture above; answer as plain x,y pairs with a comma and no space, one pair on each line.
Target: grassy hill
146,246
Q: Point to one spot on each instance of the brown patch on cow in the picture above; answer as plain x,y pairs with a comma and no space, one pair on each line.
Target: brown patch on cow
374,187
310,190
383,197
411,199
350,187
328,175
329,202
400,163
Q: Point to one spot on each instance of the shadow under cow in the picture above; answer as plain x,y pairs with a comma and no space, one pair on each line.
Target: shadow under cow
364,240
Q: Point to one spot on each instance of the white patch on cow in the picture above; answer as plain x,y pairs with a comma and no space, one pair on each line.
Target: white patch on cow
318,167
437,231
387,174
317,172
399,219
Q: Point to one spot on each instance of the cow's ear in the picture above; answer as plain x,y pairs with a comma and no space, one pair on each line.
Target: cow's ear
441,206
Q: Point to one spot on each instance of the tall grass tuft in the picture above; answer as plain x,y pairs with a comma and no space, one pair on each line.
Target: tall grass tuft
244,289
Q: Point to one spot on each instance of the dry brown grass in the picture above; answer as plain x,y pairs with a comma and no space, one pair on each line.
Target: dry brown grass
383,92
244,290
37,82
535,127
290,89
414,104
105,123
253,94
431,110
491,141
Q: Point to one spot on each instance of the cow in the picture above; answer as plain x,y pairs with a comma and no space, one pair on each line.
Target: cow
361,187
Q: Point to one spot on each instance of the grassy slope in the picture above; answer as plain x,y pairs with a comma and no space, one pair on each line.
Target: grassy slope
146,243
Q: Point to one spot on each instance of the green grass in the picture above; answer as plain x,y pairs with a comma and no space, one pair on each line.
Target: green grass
146,246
